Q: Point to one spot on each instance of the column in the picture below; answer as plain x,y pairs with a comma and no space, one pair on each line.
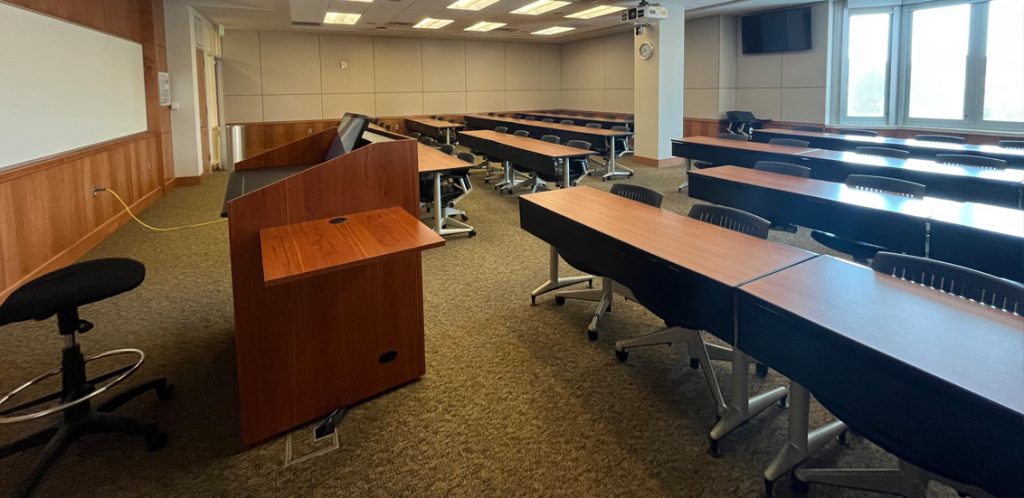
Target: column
658,88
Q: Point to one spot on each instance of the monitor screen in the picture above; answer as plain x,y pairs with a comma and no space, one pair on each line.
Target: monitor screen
350,129
777,31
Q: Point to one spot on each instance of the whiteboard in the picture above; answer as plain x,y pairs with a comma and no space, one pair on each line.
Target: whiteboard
64,86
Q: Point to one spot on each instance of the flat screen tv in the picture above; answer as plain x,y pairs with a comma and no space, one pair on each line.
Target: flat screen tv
777,31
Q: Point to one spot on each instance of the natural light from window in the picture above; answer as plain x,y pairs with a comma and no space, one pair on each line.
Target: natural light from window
1004,75
938,62
868,65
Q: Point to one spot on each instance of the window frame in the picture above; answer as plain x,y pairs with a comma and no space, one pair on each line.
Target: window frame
844,68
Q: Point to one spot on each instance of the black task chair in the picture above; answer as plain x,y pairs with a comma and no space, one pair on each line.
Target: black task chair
907,479
548,120
695,164
782,168
621,143
790,142
521,133
578,168
551,139
501,129
61,293
529,118
862,252
593,125
743,122
949,139
1012,144
415,134
863,133
969,160
447,149
818,129
567,122
638,193
882,151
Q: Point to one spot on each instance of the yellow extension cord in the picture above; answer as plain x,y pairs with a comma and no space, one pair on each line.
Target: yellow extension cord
143,223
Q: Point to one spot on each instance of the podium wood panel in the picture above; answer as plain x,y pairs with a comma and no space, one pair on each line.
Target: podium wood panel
301,151
305,348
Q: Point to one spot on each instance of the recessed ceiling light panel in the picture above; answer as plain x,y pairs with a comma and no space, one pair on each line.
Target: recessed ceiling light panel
484,26
472,4
598,11
554,30
539,7
341,18
429,23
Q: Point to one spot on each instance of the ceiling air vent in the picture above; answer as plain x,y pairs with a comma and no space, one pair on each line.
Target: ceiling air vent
305,23
399,23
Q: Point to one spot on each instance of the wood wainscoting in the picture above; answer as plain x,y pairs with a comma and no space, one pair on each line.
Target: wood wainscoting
702,127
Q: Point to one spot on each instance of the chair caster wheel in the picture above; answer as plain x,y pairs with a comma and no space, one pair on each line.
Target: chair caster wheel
761,371
694,363
769,488
465,218
592,335
844,438
714,448
798,486
784,401
622,356
156,441
559,300
472,233
165,392
533,300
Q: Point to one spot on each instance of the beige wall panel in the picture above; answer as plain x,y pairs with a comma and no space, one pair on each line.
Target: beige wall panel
551,67
485,101
726,101
763,102
584,100
523,66
551,99
727,52
444,102
292,107
583,65
805,105
487,60
243,109
336,105
398,66
808,69
241,51
290,64
444,66
701,49
758,71
358,52
618,100
701,103
524,100
399,104
618,65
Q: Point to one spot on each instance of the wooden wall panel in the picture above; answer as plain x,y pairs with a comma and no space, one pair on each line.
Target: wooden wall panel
48,215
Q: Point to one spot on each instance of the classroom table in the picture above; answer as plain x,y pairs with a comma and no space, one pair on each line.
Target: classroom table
980,236
529,153
578,120
434,127
930,377
957,182
918,148
564,132
436,163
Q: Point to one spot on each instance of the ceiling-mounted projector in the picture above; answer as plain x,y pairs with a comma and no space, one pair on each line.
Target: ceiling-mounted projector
644,12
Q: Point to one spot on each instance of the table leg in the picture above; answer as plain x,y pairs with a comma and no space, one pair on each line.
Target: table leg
742,407
566,177
439,217
556,282
613,172
686,183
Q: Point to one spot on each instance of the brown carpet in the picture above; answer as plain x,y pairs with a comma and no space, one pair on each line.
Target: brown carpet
515,402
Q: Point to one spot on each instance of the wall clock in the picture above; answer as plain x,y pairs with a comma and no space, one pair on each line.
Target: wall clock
646,50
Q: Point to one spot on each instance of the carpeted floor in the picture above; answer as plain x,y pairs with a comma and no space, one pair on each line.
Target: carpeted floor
516,401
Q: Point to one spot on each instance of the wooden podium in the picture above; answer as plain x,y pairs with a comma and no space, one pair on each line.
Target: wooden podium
323,320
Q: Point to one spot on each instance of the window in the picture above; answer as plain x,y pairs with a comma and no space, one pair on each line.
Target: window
944,63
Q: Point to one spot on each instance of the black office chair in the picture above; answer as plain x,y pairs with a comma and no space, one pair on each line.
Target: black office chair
593,125
551,139
1012,144
782,168
862,252
61,293
882,151
818,129
863,133
970,285
622,143
567,122
949,139
529,118
415,134
731,218
969,160
521,133
501,129
447,149
638,193
743,122
790,142
548,120
695,164
425,140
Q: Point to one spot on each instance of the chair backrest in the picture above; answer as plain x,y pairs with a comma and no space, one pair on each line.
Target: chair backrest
733,136
425,140
521,133
567,122
733,116
792,142
1013,144
529,118
949,139
593,125
783,168
467,156
733,219
863,133
969,160
882,151
638,193
551,138
620,128
548,120
501,129
447,149
886,184
961,281
579,144
818,129
415,134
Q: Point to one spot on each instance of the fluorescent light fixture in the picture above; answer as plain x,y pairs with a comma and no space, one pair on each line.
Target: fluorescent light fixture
598,11
362,1
540,7
341,18
554,30
428,23
471,4
485,26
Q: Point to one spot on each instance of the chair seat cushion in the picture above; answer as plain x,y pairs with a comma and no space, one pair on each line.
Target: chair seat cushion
71,287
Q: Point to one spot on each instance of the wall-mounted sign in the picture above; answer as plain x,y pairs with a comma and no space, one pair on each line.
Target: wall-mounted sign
164,84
